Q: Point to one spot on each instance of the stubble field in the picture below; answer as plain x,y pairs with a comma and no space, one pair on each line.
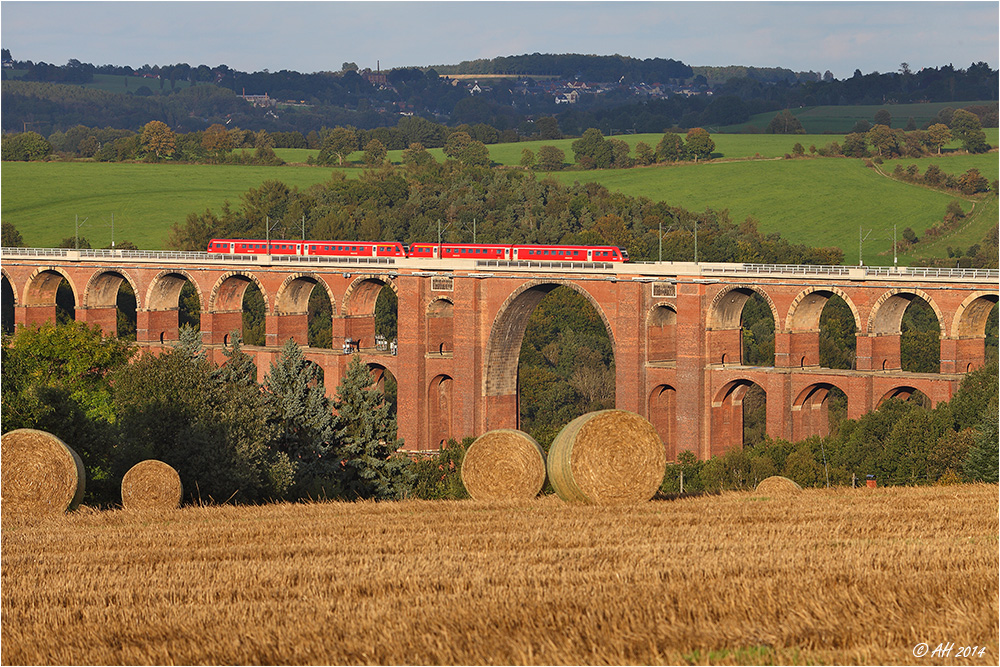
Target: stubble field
831,576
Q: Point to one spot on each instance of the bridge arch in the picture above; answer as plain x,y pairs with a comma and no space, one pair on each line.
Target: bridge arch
725,325
227,293
905,393
164,292
810,413
661,333
509,325
361,294
41,286
358,307
440,317
440,410
10,283
807,307
293,294
887,313
663,416
102,288
9,302
727,414
727,306
503,346
971,316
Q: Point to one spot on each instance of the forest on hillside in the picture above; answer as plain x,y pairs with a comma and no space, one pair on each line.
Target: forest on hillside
54,98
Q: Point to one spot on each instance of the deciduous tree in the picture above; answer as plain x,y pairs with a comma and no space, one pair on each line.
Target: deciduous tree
699,143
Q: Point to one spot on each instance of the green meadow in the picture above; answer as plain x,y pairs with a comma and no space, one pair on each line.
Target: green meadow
44,199
818,201
840,119
821,202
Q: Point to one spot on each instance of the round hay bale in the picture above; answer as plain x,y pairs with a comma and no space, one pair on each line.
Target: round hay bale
504,464
40,473
778,486
151,485
610,457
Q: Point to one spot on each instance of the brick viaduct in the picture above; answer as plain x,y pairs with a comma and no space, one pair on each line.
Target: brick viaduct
674,327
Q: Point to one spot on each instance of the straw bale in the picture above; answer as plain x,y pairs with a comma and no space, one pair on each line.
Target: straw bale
504,464
778,486
151,485
40,473
609,457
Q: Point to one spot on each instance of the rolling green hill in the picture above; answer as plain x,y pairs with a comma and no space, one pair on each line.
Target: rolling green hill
840,119
42,199
821,201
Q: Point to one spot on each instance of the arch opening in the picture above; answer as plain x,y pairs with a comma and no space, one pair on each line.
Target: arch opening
172,302
920,338
663,416
253,315
818,410
65,303
440,407
661,335
906,393
757,332
303,311
440,326
7,301
564,365
385,382
739,416
371,315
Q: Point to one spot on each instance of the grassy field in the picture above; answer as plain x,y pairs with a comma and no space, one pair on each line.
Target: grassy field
834,576
727,146
840,119
816,201
42,199
820,202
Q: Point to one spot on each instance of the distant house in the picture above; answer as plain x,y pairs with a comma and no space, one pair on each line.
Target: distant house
374,78
260,100
572,97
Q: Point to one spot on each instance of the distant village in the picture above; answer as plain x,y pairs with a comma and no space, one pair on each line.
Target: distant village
561,91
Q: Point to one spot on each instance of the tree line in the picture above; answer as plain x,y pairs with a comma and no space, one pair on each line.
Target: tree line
230,437
52,97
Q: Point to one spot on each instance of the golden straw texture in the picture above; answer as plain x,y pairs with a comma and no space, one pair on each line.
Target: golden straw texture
41,474
608,457
778,486
151,485
504,464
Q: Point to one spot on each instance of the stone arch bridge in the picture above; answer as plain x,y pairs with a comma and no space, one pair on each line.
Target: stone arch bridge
674,327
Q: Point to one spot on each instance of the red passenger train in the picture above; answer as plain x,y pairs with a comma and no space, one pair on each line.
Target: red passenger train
530,253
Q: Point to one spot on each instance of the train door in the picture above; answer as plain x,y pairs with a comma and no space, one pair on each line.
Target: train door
436,252
506,253
374,250
590,254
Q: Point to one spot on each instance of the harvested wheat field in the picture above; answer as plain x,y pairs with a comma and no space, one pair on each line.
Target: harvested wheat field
830,576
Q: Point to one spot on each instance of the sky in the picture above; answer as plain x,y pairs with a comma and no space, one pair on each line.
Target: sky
319,36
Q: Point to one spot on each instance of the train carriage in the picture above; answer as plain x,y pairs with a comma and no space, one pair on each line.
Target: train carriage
529,253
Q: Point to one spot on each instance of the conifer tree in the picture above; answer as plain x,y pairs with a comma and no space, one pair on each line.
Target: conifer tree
298,407
366,435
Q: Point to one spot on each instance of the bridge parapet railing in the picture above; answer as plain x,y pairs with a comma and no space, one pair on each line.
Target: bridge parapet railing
930,272
784,269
